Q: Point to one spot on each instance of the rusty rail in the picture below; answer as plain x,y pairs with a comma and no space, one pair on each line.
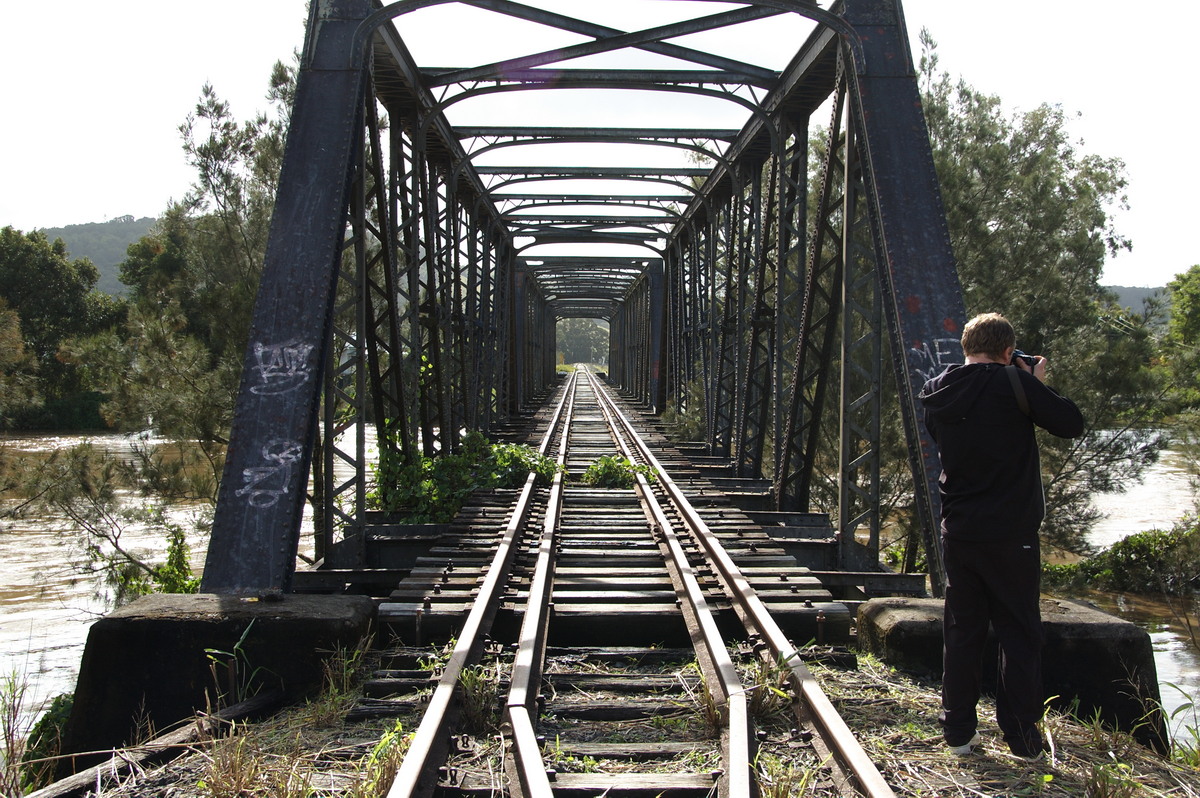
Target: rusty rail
431,735
832,728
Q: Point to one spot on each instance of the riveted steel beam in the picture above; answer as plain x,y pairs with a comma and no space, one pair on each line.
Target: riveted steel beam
256,527
596,134
609,39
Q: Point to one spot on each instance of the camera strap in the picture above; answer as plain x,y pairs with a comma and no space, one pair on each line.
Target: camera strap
1018,389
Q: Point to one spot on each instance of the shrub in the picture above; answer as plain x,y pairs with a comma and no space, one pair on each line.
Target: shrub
1156,561
431,490
615,471
44,740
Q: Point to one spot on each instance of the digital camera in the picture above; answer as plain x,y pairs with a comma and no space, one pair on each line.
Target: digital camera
1030,360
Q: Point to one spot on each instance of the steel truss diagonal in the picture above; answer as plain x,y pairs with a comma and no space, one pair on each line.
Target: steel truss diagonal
462,175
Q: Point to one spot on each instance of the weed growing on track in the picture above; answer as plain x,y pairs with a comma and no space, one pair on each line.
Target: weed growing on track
614,471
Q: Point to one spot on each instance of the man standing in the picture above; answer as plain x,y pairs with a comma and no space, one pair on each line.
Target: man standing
981,416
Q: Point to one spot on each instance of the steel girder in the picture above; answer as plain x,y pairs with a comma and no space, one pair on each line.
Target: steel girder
406,286
385,301
637,340
880,253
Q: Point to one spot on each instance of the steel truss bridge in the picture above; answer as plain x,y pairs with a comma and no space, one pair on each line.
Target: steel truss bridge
433,223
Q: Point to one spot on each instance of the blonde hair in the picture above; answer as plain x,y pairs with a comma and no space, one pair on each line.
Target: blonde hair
988,334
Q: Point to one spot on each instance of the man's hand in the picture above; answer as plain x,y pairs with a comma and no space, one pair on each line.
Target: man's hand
1039,367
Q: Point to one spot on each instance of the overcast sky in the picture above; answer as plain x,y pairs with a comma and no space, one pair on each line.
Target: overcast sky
93,94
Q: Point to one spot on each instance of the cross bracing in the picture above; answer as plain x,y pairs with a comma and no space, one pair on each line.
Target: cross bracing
460,176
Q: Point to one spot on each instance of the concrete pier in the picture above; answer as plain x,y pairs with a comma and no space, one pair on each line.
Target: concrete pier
157,661
1092,663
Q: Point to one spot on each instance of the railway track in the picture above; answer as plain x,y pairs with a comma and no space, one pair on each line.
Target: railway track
635,637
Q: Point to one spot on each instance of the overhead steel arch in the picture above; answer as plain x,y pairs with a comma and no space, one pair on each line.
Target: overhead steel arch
403,298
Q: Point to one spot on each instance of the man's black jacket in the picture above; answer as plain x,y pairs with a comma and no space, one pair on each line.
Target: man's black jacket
991,483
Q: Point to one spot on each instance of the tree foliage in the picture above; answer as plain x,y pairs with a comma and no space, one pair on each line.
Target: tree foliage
90,488
18,385
1030,221
583,341
1180,356
52,296
1164,562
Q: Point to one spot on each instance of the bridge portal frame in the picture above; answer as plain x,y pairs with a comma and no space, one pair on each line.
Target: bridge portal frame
395,292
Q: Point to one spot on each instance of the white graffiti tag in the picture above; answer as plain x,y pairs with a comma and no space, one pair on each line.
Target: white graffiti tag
930,358
282,367
266,484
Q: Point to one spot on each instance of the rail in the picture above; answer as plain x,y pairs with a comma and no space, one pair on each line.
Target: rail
833,730
680,535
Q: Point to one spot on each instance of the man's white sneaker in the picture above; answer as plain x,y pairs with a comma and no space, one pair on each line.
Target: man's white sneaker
967,747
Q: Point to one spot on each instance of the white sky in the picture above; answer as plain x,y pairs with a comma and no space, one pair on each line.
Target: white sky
93,93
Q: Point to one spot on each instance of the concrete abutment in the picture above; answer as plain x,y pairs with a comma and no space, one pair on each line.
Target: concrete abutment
1093,664
150,662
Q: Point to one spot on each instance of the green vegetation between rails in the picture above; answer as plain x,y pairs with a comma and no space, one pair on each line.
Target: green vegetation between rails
431,490
615,471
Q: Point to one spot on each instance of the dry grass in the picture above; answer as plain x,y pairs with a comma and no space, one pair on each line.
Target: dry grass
14,730
306,750
895,718
310,750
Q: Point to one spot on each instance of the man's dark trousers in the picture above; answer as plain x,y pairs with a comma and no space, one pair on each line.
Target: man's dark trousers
1000,582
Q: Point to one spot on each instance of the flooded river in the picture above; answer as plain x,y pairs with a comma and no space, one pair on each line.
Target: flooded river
46,607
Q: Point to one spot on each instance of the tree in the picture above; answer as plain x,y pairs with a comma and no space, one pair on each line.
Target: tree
18,388
54,299
46,289
583,341
1180,355
175,361
1029,221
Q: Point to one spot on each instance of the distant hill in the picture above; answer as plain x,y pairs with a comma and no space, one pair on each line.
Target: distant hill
104,244
1131,298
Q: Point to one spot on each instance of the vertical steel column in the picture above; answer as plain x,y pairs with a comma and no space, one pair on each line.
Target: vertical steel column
676,372
407,158
385,347
346,399
818,324
505,310
862,369
922,297
615,344
760,342
727,296
256,526
458,229
792,226
438,432
549,362
517,338
646,352
712,288
470,329
655,335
